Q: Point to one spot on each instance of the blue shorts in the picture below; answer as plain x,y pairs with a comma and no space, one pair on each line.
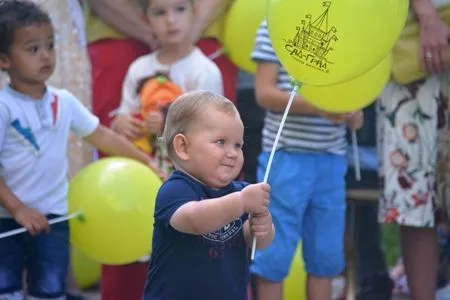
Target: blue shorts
45,257
307,204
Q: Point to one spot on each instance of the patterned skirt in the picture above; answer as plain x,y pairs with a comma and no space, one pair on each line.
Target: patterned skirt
413,140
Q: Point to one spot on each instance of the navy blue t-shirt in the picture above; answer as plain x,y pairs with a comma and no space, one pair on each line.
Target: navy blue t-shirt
212,266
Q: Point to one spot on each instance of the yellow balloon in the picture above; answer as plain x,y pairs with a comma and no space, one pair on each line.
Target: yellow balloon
116,197
351,95
329,42
241,24
295,284
215,29
87,272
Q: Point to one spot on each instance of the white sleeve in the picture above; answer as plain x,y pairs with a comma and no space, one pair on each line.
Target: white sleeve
209,80
82,121
4,123
129,102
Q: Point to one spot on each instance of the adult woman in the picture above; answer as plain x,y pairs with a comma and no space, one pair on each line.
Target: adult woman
414,144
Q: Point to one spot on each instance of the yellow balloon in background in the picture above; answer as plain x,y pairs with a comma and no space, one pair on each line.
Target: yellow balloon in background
351,95
329,42
295,283
117,199
215,29
87,272
241,24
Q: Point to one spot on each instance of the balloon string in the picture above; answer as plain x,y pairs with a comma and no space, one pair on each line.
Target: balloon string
51,222
274,148
216,54
356,156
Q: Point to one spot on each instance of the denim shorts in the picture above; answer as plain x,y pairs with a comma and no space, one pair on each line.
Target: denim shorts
45,257
307,205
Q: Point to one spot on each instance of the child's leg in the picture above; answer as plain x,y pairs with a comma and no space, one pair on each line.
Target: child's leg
324,226
48,263
420,256
72,290
291,178
12,256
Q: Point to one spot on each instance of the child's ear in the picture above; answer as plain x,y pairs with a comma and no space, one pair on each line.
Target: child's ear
4,62
180,146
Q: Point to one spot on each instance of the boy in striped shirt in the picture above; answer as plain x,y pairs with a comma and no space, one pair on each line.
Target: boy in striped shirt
307,179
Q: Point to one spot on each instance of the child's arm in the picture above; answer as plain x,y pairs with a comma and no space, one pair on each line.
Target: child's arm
124,16
268,95
208,11
86,125
29,218
200,217
271,98
113,144
356,120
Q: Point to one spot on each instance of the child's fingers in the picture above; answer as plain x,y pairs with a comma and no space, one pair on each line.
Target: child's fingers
131,135
32,228
136,122
262,212
259,230
134,131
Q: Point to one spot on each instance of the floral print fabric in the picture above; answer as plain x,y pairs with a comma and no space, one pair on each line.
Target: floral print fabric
413,141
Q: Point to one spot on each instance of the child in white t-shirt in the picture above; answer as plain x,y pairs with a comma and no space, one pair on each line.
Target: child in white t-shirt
177,59
35,122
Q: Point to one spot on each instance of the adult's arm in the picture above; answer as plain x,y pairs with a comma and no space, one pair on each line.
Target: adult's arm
208,11
125,16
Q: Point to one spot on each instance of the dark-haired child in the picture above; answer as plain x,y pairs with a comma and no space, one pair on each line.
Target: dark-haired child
35,122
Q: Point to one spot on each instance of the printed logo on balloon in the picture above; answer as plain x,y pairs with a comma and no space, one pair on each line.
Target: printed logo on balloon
313,41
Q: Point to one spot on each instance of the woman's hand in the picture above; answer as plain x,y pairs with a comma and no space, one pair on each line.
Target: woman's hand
434,37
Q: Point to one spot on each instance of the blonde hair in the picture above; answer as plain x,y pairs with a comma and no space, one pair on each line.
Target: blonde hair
188,108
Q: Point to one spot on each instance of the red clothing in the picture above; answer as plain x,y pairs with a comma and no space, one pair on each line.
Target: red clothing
124,282
110,60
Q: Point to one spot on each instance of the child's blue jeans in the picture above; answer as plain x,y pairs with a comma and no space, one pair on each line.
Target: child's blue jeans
307,204
45,257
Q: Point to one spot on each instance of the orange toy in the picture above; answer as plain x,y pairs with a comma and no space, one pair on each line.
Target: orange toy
156,94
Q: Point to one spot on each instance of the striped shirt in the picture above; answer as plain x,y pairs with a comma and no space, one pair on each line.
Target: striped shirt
301,132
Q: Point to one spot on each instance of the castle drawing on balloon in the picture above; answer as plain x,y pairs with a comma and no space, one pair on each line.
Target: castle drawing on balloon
312,41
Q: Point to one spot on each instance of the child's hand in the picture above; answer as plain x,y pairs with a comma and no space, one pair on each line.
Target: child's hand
356,120
128,126
154,122
335,118
31,219
255,197
261,223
